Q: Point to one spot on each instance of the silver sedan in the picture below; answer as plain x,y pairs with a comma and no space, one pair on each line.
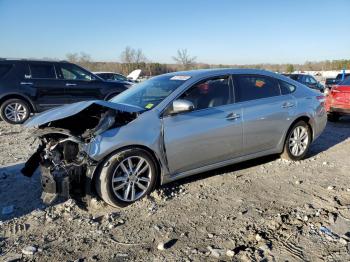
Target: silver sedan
173,126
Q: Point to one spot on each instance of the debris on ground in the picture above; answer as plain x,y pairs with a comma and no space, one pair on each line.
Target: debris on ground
265,209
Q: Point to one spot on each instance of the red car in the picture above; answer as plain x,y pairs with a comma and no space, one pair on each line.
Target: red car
338,100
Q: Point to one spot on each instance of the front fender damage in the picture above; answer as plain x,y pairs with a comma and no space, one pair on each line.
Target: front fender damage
66,169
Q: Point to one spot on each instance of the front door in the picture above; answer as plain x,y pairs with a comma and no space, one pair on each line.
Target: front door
49,91
79,84
209,134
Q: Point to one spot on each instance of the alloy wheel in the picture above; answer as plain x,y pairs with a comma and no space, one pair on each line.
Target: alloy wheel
131,178
298,141
15,112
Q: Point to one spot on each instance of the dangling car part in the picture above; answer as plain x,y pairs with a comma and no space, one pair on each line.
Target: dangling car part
65,167
169,127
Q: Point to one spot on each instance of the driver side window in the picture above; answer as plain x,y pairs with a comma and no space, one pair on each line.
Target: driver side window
211,92
72,72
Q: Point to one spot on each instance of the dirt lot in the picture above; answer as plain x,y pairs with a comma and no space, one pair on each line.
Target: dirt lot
261,210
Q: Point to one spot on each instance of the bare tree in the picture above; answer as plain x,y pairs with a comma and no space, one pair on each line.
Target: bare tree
184,59
72,57
127,56
139,56
82,59
131,55
132,59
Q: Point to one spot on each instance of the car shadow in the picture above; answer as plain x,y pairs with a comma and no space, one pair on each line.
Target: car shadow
173,187
334,133
19,195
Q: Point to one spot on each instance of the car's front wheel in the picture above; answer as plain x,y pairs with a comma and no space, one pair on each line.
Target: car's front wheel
15,111
126,177
297,142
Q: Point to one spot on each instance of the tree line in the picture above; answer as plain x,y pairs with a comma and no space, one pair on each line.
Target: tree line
131,59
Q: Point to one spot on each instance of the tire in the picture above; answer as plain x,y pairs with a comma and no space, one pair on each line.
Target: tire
333,117
19,108
116,168
289,152
110,96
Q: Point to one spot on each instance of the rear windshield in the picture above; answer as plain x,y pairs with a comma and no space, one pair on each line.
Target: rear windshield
4,69
346,82
339,76
294,77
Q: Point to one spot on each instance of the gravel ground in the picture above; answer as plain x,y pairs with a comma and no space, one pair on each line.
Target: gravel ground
261,210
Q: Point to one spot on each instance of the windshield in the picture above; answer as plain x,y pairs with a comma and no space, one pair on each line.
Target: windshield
150,93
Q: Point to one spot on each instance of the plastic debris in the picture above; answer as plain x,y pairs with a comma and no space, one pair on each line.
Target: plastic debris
7,210
328,232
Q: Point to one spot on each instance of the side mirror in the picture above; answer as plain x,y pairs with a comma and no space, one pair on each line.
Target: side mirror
182,105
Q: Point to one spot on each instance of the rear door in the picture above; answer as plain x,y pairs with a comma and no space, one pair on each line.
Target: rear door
209,134
266,111
48,90
80,84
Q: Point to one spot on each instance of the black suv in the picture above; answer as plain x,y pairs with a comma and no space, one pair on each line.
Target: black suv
307,80
30,86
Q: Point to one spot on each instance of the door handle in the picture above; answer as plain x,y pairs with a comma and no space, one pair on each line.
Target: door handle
70,84
26,83
233,116
287,105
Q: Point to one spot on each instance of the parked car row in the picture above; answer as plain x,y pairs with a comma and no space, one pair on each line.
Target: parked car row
31,86
172,126
337,93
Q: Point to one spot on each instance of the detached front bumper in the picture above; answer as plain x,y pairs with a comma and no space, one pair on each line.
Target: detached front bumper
53,186
64,181
75,182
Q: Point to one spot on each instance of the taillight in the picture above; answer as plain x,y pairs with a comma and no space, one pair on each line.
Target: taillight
334,89
321,99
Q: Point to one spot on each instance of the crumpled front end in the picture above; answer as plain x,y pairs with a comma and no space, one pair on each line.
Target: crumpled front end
66,168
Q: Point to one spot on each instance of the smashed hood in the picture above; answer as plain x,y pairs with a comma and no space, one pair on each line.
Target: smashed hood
74,109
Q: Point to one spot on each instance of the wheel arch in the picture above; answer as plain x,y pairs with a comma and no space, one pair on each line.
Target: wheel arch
110,95
135,146
18,96
304,118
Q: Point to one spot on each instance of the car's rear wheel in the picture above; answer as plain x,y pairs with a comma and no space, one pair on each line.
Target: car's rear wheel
126,177
297,142
333,117
15,111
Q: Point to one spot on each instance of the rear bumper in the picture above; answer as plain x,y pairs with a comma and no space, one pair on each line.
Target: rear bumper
340,110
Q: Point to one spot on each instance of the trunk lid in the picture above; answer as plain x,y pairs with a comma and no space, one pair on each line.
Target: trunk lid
341,95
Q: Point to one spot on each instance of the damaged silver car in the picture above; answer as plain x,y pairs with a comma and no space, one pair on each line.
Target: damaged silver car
169,127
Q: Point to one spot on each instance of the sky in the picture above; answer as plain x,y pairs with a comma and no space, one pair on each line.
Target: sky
215,31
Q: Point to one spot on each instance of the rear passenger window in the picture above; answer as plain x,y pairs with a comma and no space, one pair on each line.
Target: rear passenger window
286,88
4,69
42,71
249,87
